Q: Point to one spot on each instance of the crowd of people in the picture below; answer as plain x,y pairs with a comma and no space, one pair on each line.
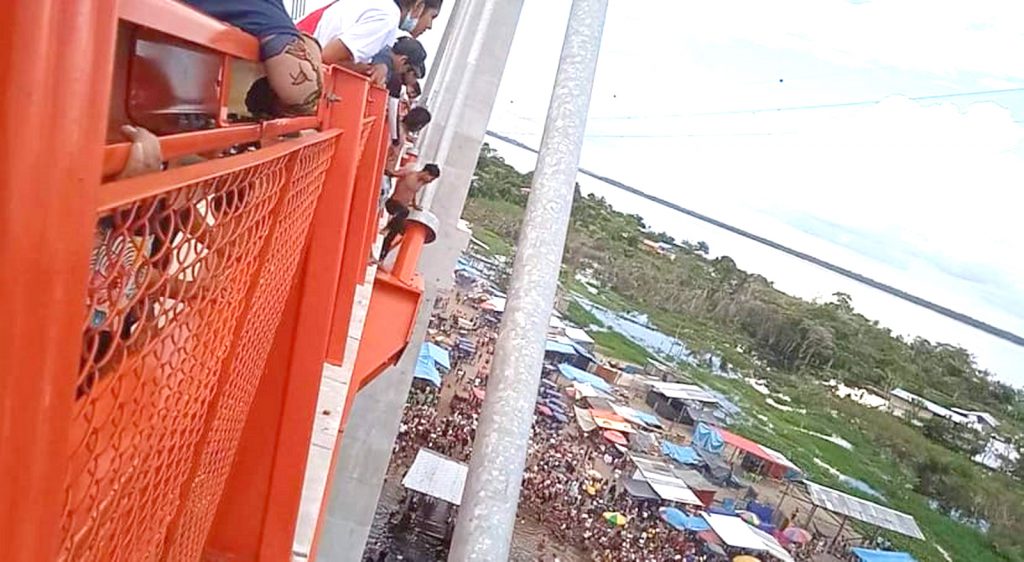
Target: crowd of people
571,480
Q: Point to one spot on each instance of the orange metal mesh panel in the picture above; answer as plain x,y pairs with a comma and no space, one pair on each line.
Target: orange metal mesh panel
169,277
246,363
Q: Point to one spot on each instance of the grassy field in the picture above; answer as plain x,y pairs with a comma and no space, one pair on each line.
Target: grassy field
603,298
580,316
498,245
617,346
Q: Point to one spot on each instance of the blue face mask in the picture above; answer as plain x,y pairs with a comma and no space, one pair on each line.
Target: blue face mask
409,23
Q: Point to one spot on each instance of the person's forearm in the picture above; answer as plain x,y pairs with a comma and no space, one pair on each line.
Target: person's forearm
335,52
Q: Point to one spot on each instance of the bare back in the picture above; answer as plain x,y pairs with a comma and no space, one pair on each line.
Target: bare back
406,189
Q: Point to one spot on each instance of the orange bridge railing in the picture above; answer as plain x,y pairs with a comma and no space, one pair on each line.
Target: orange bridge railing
164,335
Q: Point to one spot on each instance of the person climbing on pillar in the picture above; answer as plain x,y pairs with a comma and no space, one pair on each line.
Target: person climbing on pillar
410,183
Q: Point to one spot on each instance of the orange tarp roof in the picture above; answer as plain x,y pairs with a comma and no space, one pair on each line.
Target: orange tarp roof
610,420
745,445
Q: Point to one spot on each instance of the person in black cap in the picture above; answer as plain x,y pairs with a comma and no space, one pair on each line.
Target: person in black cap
407,55
408,61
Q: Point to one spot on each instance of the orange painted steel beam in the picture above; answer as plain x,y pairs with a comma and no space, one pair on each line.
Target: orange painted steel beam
51,141
323,267
373,218
124,192
409,252
257,515
390,319
404,311
181,21
184,144
364,219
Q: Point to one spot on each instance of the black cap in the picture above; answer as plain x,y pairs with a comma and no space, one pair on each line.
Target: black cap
414,51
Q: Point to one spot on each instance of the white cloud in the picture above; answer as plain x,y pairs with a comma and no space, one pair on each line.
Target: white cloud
944,37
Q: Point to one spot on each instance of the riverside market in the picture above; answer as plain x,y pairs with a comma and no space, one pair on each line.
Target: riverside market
626,463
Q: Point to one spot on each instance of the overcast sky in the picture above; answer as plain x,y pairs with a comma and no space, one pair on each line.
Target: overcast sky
714,105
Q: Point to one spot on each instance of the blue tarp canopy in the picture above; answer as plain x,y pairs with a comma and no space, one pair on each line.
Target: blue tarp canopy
708,438
579,375
439,354
426,368
636,416
682,521
555,346
649,420
679,453
865,555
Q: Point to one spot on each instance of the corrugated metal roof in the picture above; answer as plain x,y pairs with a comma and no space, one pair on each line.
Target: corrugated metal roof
734,531
941,411
659,475
863,510
437,476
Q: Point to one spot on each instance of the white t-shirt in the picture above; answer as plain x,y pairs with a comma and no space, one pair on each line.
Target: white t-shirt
364,26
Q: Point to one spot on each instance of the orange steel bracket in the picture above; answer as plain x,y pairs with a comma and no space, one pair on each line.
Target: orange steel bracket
393,307
391,315
389,323
256,519
56,64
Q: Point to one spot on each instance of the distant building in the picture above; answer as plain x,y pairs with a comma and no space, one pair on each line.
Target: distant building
687,403
911,406
917,409
660,248
580,337
661,371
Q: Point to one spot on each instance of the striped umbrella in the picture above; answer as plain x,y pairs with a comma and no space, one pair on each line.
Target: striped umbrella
797,535
615,518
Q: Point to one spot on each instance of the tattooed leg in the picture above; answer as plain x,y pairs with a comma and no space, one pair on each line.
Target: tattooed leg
295,76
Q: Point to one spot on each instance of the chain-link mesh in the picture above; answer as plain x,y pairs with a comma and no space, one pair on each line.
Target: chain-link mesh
247,362
175,279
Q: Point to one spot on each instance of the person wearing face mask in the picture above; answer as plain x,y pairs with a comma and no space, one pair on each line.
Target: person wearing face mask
351,32
431,9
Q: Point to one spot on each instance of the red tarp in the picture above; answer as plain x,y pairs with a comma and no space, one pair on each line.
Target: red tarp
745,445
778,464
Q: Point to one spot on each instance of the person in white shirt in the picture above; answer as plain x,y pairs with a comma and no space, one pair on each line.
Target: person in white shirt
351,32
